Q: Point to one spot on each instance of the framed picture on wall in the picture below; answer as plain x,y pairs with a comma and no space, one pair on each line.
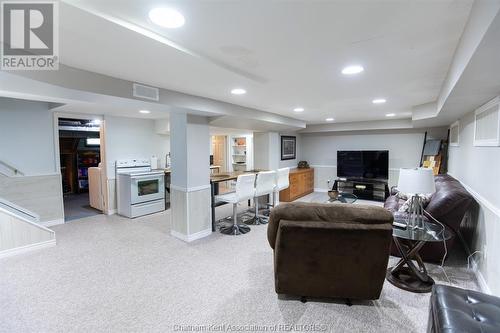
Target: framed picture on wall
288,147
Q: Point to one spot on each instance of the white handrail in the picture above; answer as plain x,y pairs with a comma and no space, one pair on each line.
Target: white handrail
13,169
15,209
22,213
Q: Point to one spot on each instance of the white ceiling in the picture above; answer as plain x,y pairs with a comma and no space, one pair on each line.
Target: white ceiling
285,54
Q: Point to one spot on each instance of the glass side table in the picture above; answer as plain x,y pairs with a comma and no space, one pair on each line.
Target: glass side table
406,274
344,198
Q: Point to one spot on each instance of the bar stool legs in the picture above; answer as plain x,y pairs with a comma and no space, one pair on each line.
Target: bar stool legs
257,219
235,228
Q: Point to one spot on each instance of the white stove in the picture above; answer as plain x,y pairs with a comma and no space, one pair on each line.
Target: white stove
140,190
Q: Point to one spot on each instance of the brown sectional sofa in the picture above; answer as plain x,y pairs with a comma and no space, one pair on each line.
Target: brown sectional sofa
448,205
330,250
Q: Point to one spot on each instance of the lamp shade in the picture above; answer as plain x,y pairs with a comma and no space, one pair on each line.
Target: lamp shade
416,181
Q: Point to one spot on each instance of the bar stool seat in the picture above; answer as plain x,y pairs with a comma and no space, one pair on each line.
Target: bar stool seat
227,197
245,190
282,183
264,185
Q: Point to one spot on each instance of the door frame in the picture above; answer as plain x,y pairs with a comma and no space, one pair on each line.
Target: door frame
57,151
225,153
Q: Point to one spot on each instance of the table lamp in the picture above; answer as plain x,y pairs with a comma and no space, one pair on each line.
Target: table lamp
414,182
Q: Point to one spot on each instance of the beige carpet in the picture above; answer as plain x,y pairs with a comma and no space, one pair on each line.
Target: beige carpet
111,274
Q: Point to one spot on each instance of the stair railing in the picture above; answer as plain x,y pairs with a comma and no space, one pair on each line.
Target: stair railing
19,211
14,170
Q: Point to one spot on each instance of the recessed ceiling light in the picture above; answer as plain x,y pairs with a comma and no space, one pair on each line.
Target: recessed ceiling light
166,17
379,101
298,109
144,111
354,69
329,119
238,91
390,115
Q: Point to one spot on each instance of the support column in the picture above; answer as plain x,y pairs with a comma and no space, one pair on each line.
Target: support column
267,148
190,180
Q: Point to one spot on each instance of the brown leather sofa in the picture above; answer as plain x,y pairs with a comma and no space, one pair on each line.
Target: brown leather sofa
448,205
330,250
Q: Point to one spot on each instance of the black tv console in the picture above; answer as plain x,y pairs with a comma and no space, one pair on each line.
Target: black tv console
368,189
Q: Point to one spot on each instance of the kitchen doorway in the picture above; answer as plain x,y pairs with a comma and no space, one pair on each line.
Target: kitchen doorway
219,153
79,143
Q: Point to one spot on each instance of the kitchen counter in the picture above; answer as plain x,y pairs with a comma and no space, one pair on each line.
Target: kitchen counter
226,176
167,170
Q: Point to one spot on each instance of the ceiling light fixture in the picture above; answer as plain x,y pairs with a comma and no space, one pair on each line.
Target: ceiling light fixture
390,115
351,70
238,91
166,17
144,111
379,101
329,119
298,109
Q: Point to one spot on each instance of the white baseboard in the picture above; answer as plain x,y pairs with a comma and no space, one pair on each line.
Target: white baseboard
111,212
51,223
27,248
480,278
192,237
322,190
484,204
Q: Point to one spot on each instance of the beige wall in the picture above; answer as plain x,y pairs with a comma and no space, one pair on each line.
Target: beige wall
27,136
405,148
27,143
129,138
478,168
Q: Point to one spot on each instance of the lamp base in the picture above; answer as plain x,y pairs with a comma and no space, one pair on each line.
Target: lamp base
416,214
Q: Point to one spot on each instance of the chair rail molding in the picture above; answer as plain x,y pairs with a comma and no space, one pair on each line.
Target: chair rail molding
485,202
189,189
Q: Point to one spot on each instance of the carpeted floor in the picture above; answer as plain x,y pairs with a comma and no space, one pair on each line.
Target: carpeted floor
112,274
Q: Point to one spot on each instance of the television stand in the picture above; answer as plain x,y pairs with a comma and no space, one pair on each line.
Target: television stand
368,189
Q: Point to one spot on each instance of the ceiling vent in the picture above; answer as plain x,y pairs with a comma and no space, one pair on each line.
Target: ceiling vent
146,92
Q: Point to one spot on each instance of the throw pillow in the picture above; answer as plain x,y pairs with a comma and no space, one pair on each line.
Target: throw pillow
405,208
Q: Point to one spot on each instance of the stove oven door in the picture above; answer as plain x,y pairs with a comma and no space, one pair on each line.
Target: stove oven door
147,188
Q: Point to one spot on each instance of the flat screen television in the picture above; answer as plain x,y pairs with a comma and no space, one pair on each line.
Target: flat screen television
365,164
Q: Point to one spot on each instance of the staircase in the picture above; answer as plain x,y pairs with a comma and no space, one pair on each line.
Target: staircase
20,230
36,193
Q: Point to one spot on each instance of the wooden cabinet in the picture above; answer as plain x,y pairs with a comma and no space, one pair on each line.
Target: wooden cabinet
301,183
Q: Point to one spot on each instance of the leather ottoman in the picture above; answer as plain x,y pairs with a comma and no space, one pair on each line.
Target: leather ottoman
460,310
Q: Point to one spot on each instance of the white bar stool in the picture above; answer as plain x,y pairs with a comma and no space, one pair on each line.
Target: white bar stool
282,183
266,181
245,190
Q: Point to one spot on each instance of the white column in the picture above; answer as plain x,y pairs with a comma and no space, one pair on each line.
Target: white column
266,148
190,182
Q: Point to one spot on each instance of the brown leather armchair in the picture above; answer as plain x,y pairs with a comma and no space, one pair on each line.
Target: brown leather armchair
330,250
448,205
